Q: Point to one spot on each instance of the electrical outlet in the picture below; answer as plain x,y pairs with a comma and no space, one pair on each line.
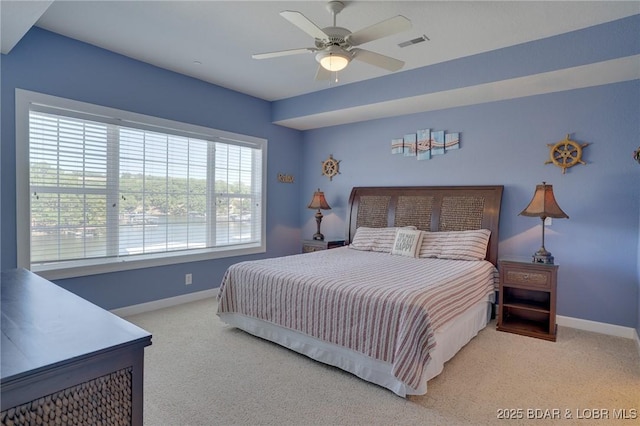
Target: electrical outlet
187,279
548,221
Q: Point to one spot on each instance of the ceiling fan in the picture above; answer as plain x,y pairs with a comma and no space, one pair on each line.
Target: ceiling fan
335,45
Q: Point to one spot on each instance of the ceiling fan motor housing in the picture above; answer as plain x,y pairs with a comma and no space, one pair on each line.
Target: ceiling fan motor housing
336,36
334,54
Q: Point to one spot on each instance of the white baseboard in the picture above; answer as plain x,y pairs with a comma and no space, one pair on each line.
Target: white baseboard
164,303
597,327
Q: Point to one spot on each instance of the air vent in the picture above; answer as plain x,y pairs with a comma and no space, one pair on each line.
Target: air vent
414,41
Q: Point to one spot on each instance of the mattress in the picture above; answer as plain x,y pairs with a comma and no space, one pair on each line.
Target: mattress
373,314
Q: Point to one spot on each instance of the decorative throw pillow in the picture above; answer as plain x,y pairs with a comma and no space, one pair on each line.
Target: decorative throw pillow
375,239
407,242
458,245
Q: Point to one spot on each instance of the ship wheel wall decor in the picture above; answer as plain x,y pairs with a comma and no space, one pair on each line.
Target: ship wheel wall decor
330,167
566,153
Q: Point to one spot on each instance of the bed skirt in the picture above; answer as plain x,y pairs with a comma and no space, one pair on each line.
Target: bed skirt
450,338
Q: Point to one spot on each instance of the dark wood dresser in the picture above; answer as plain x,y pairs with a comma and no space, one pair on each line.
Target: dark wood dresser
66,360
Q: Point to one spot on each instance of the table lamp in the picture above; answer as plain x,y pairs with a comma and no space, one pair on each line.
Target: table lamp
543,205
318,202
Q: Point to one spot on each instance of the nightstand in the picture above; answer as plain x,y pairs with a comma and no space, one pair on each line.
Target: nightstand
316,245
527,300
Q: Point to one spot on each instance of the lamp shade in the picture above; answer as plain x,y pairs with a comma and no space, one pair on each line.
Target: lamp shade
318,201
333,59
543,204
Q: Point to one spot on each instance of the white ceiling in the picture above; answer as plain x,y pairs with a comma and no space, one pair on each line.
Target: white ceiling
222,35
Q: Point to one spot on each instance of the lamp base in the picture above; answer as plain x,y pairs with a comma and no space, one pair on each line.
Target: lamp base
318,236
543,256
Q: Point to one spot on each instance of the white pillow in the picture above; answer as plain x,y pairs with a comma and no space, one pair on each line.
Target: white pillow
407,242
458,245
375,239
431,245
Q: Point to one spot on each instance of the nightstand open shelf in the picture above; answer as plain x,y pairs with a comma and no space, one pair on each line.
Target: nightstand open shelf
526,326
534,307
527,301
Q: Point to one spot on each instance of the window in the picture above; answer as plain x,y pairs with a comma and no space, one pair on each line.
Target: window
110,190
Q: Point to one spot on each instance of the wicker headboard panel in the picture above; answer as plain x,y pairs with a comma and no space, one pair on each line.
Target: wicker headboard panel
429,208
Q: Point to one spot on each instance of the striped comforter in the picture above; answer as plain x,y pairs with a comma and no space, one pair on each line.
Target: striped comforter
383,306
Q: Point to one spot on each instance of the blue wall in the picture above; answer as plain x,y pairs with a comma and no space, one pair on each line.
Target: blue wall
505,143
502,143
47,63
611,40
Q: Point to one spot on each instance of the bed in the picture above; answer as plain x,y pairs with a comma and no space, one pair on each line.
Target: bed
389,313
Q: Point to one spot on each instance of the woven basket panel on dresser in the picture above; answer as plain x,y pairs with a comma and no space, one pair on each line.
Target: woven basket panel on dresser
461,213
104,401
373,211
414,211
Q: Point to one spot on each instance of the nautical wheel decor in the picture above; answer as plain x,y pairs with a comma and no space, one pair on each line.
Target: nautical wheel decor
636,155
566,153
330,167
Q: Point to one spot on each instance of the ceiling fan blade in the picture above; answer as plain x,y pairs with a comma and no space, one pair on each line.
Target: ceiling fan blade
302,22
283,53
381,29
322,74
377,59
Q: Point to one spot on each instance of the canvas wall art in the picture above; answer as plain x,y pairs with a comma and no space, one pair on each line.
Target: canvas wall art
397,146
437,142
410,145
425,143
451,141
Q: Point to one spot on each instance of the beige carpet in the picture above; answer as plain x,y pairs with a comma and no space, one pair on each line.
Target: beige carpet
201,372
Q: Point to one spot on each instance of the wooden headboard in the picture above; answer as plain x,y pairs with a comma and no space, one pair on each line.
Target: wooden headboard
429,208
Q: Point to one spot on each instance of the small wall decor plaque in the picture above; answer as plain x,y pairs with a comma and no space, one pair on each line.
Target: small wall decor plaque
636,155
566,153
282,178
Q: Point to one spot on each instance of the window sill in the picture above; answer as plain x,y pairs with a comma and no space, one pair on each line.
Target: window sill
62,270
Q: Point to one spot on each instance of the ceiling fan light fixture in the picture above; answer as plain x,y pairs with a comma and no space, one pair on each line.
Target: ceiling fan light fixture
333,59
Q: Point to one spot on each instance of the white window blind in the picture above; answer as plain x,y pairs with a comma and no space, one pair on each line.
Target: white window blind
104,192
